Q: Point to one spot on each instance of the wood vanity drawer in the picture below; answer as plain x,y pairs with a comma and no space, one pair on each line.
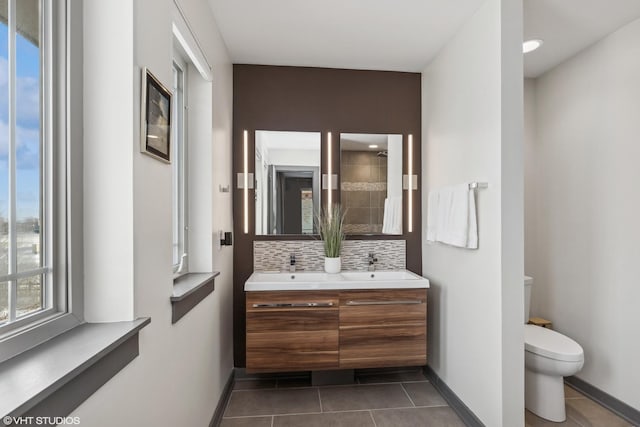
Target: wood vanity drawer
285,300
292,320
291,351
383,346
292,330
383,308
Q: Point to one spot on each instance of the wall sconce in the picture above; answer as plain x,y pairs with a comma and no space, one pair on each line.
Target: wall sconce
410,183
245,180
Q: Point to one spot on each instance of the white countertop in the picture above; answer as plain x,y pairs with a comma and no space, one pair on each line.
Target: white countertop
317,280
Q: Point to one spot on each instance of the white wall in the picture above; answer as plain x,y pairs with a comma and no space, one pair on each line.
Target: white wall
200,179
108,161
587,205
472,131
530,187
182,368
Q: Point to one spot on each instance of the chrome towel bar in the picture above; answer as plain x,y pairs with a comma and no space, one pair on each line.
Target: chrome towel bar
474,185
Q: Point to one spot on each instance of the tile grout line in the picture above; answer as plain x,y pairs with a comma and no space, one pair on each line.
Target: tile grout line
334,412
272,420
251,416
442,405
372,418
227,405
571,418
320,399
407,394
395,382
243,390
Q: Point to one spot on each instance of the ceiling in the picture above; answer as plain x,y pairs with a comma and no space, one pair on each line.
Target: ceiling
569,26
362,141
401,35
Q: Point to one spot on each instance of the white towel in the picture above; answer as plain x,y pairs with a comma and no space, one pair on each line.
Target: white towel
392,221
451,217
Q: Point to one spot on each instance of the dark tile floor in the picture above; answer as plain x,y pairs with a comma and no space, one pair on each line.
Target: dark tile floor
378,399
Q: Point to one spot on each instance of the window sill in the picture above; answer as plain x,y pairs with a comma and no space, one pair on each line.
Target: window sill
53,378
188,291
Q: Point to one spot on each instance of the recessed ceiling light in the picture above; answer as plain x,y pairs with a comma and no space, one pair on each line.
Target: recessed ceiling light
373,146
531,45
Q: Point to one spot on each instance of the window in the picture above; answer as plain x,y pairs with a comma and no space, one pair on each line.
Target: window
32,164
179,166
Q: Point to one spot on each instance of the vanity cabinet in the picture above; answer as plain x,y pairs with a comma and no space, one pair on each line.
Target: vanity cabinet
292,330
317,330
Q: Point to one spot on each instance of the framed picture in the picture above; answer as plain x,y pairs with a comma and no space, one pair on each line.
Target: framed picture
156,118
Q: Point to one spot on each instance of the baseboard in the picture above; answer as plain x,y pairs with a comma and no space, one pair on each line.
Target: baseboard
605,399
222,402
458,406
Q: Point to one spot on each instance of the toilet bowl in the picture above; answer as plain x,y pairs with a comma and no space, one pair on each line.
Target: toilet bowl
549,356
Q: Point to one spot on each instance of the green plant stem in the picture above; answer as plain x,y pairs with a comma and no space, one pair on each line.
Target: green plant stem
330,226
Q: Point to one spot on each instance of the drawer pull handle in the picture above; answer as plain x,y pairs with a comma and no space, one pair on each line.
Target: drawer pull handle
293,304
397,302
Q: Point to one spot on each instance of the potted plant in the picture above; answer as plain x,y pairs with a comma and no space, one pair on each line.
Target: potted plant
329,224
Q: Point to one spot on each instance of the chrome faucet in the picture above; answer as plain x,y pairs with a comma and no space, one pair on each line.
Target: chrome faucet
292,263
372,261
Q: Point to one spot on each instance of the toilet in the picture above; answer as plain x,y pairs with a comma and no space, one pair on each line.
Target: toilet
548,357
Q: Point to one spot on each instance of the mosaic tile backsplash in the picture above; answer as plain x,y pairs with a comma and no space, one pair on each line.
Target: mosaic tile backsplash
274,254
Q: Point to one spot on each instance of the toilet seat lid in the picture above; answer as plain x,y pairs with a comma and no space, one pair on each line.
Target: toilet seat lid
551,344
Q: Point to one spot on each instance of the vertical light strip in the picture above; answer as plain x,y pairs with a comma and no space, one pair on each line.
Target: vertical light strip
246,182
410,184
329,173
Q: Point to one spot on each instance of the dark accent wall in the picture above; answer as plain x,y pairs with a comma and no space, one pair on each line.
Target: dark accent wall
318,100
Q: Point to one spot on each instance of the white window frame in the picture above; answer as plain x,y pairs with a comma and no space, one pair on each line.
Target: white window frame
188,53
61,64
180,162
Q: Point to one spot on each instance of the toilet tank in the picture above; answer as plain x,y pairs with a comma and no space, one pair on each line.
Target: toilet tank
528,282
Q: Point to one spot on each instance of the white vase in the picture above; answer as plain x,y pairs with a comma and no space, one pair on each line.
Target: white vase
332,265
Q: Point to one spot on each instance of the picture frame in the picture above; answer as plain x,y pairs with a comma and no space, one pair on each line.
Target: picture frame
155,118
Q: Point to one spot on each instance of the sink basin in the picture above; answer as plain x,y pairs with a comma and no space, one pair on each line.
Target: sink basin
397,279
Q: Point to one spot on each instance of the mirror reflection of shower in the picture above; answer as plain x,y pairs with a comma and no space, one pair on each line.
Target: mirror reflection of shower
371,183
287,182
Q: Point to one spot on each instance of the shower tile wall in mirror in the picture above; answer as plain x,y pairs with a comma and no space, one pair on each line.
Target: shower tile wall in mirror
371,183
287,182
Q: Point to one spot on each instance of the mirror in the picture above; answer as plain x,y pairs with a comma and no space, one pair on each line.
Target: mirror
371,183
287,182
